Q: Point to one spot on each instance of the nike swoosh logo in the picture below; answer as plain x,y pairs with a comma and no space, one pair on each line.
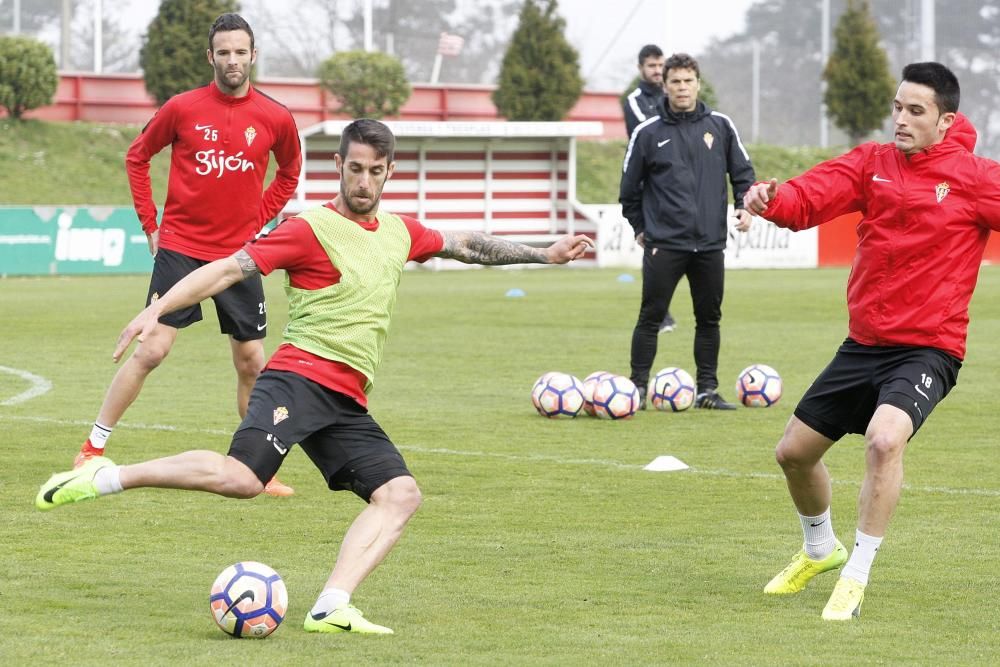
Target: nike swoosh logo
320,617
201,127
246,595
281,450
818,524
917,387
52,492
879,179
661,144
261,327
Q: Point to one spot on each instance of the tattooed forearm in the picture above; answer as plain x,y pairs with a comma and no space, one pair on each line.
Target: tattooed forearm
479,248
247,265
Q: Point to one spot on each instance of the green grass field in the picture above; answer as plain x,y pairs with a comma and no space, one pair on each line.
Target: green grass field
539,542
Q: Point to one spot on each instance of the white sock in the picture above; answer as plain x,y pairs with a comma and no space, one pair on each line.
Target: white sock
99,435
330,599
108,480
819,540
859,565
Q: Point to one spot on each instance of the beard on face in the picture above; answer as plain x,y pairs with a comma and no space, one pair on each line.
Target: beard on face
222,75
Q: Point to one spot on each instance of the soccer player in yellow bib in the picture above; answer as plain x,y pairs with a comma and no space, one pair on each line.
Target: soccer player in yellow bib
343,262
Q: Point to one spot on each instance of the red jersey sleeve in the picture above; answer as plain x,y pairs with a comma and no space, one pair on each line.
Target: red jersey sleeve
288,153
158,133
828,190
988,194
424,242
291,245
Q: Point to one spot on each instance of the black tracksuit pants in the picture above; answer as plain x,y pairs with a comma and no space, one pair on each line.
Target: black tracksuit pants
661,271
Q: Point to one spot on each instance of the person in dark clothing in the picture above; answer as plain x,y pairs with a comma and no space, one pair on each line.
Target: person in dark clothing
673,193
643,103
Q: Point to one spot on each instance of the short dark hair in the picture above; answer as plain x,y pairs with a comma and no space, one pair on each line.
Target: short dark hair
938,78
681,61
371,133
649,51
228,23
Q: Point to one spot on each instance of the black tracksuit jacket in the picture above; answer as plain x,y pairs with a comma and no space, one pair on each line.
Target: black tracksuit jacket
673,186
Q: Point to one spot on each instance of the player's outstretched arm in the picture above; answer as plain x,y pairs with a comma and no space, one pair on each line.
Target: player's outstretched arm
479,248
757,197
197,286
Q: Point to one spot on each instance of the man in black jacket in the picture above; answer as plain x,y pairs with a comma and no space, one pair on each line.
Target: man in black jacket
673,193
643,103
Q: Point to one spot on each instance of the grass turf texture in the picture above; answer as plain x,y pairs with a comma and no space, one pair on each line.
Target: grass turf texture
539,542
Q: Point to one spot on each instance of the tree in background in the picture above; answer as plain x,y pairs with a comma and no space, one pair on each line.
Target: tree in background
540,74
173,53
859,85
27,75
367,85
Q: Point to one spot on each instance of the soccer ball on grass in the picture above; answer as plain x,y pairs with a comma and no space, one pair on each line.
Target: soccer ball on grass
248,599
672,390
758,386
557,395
615,397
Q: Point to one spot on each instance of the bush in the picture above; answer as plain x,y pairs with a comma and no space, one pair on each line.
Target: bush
599,166
173,55
367,85
28,76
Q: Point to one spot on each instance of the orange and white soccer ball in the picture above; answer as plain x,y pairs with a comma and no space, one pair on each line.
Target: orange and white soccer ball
758,386
589,383
672,389
248,599
615,397
557,395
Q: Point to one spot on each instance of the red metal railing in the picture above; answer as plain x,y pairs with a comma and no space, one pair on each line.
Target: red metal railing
122,98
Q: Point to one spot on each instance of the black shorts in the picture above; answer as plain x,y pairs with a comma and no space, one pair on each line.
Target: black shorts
341,438
241,308
861,377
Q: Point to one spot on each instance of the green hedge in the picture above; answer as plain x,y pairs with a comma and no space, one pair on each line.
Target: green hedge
599,166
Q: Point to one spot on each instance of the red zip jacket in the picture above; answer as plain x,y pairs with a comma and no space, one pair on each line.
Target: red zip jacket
220,149
921,239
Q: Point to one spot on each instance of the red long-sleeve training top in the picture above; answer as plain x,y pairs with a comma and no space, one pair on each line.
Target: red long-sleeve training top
221,146
926,221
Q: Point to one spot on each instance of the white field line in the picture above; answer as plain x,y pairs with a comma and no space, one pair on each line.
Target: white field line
39,386
532,458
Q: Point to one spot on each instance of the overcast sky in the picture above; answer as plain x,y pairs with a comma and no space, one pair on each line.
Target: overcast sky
610,34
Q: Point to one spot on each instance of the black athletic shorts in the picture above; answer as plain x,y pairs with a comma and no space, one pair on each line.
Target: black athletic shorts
241,309
861,377
341,438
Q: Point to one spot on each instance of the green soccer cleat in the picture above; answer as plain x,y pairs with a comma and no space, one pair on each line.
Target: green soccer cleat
345,618
802,568
72,486
845,603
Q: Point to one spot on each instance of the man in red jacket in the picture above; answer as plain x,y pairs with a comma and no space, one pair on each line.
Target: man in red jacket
929,205
221,136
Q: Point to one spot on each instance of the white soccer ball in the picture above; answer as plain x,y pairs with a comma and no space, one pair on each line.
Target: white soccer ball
557,395
672,390
758,386
615,397
589,383
248,599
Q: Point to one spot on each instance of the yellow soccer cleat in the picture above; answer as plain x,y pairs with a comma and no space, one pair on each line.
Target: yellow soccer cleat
345,618
802,568
845,603
72,486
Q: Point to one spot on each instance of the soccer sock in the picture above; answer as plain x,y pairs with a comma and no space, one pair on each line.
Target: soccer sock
108,480
819,540
99,436
859,565
330,599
